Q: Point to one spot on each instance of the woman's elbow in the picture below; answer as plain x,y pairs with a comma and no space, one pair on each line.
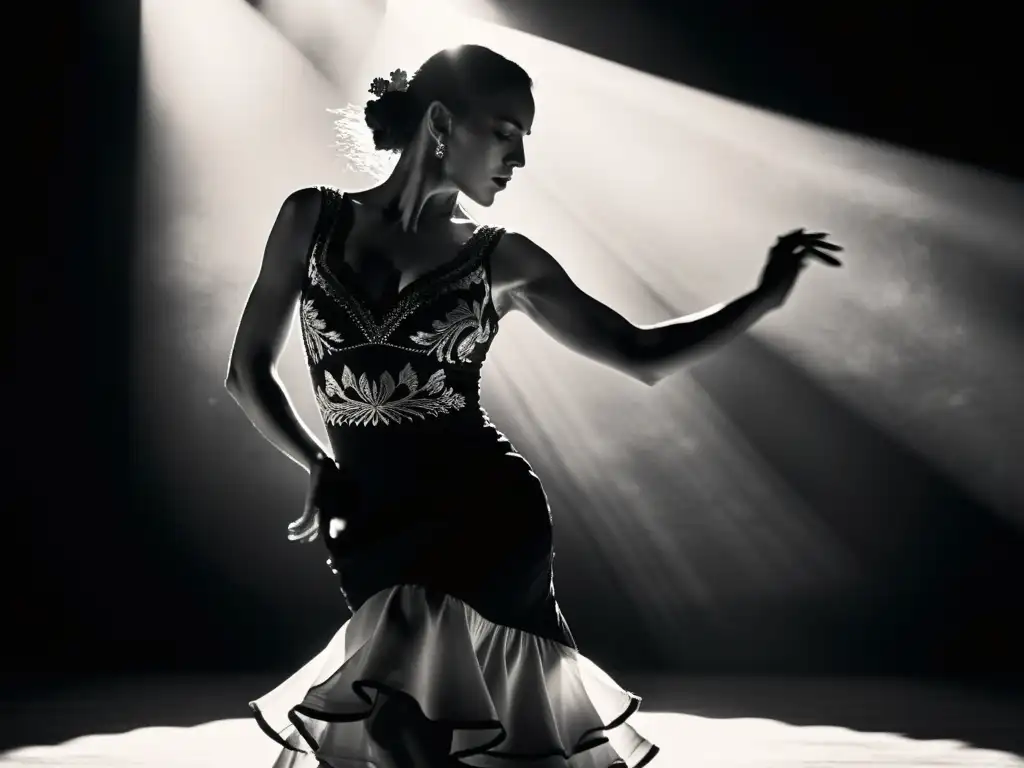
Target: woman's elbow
239,378
235,385
232,382
646,374
246,365
640,358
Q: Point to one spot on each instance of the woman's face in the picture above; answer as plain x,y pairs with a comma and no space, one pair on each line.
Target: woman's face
484,148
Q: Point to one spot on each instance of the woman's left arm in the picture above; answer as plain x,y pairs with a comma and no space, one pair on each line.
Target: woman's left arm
540,288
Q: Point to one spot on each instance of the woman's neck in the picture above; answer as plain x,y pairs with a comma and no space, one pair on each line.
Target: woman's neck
415,193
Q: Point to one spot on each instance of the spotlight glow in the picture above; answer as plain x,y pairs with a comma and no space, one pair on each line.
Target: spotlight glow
660,200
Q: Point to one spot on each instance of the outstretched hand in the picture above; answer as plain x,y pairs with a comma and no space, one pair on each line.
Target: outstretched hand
788,257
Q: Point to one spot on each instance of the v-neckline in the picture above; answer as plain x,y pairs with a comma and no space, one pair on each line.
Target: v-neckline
386,305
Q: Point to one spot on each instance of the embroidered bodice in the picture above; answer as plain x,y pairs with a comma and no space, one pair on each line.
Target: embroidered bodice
398,366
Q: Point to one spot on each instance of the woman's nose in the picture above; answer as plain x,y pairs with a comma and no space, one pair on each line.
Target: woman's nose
517,159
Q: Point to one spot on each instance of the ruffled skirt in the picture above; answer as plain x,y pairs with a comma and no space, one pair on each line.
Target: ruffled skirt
507,698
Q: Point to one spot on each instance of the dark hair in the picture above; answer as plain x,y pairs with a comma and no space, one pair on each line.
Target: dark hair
456,77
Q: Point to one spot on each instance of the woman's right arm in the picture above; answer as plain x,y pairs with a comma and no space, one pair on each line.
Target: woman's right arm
252,379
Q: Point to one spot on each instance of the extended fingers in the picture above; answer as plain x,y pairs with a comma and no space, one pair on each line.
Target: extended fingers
824,244
811,245
827,258
817,239
815,251
818,247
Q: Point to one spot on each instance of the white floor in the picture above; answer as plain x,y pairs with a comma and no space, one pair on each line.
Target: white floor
710,739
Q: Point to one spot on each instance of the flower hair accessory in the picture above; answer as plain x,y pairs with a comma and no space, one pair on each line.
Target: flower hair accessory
399,82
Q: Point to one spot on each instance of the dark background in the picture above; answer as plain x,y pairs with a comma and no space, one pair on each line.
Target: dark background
103,587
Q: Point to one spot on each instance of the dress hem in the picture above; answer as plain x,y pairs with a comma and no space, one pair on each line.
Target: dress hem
369,692
471,725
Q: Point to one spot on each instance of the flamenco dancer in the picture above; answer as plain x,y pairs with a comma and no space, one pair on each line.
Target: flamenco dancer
456,653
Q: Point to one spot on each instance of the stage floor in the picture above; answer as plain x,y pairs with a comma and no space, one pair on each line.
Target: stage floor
698,722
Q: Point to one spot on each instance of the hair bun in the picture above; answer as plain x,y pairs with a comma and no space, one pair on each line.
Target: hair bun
389,117
456,77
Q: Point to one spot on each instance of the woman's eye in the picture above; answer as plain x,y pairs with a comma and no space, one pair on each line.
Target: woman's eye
503,136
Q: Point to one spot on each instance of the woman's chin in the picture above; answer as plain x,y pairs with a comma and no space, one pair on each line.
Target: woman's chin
483,198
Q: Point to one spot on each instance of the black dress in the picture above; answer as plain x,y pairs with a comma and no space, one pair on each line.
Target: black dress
441,536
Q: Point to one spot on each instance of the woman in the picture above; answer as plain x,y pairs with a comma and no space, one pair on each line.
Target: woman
457,652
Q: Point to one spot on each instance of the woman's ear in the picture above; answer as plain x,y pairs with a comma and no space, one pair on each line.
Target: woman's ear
439,121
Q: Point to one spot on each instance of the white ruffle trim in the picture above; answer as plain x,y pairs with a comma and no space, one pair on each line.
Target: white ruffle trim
511,698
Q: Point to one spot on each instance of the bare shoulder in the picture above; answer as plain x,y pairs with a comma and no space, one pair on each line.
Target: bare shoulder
267,315
294,227
303,206
518,260
520,267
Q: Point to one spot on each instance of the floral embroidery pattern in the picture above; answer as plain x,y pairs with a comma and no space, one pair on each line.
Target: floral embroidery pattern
373,403
464,321
319,341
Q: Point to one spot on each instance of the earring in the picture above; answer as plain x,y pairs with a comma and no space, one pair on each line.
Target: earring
439,150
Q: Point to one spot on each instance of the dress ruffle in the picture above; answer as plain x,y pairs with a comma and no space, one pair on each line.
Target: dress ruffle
510,697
